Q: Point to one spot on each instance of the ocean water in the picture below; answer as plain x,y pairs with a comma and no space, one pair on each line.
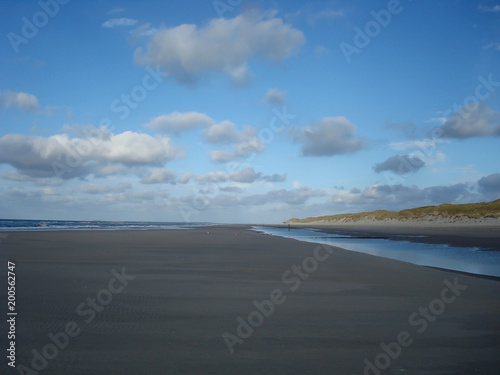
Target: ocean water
466,259
52,225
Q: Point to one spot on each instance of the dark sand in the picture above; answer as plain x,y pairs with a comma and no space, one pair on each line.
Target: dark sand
190,286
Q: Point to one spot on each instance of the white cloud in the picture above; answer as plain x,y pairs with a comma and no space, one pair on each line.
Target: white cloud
131,148
226,45
110,170
144,30
422,144
221,156
37,156
159,176
293,197
177,122
114,22
297,196
379,196
495,46
222,133
244,142
213,177
321,51
246,175
275,178
116,10
16,176
24,101
102,189
314,17
485,8
328,136
275,97
185,178
477,120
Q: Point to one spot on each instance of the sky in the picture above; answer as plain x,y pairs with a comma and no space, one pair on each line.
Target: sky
238,111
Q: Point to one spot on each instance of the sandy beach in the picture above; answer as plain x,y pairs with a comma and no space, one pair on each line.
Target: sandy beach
228,300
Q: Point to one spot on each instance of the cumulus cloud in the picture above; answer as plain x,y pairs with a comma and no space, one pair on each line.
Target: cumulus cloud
246,175
102,189
494,45
213,177
144,30
160,176
293,197
244,142
231,189
226,45
477,121
490,183
16,176
185,178
24,101
329,136
400,164
314,17
224,132
116,10
275,178
110,169
115,22
401,196
493,8
275,97
422,144
46,156
177,122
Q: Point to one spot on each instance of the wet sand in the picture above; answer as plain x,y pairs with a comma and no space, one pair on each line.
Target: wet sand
468,235
175,295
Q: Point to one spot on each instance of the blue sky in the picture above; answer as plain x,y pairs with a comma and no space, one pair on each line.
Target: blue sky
241,111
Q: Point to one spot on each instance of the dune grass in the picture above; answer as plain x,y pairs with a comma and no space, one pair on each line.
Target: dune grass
443,211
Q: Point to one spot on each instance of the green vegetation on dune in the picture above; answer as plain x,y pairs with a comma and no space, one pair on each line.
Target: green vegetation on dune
443,211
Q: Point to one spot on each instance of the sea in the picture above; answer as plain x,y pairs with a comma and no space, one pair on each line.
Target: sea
52,225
